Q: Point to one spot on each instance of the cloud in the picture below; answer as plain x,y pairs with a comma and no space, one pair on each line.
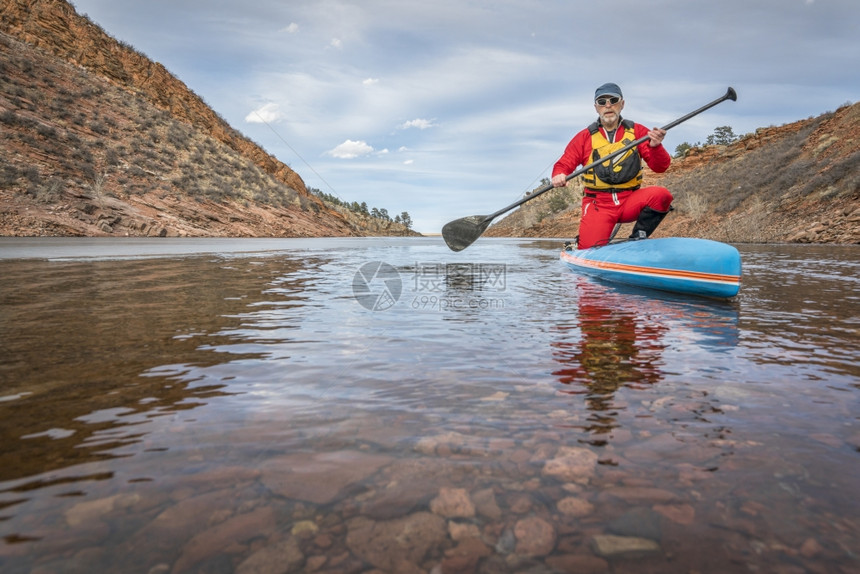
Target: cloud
268,114
370,81
291,29
419,123
336,43
409,162
350,150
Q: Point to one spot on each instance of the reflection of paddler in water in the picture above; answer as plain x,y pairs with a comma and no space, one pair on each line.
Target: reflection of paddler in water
621,339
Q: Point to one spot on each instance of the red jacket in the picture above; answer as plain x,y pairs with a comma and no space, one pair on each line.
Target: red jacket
578,151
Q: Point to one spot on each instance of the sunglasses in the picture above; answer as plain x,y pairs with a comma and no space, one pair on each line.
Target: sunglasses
611,101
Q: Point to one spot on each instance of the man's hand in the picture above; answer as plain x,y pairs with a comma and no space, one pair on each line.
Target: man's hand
559,180
656,135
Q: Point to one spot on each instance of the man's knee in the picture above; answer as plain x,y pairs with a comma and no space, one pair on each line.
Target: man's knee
660,199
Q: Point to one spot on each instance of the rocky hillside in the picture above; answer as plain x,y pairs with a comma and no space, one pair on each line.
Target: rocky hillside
799,182
99,140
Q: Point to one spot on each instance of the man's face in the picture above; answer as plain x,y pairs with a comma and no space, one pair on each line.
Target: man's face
609,113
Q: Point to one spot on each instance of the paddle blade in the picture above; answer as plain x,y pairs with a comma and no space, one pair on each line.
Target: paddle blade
461,233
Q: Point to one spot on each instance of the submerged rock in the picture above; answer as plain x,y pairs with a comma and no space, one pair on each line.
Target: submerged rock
238,529
304,529
576,507
453,503
611,545
281,557
571,464
465,556
486,505
393,544
319,478
639,523
535,537
679,513
578,563
94,509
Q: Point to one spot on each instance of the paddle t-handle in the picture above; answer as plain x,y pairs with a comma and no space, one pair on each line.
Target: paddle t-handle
730,94
461,233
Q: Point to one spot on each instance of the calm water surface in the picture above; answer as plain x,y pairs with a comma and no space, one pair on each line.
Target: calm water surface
362,405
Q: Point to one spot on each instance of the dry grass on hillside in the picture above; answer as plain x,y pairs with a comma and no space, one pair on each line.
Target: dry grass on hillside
83,133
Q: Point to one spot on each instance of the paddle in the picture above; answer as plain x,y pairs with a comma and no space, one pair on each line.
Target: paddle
461,233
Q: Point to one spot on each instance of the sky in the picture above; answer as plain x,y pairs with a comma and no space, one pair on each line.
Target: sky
449,108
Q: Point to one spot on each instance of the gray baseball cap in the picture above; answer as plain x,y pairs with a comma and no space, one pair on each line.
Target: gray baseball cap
608,89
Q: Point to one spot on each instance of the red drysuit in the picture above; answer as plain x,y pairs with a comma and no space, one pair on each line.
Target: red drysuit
601,210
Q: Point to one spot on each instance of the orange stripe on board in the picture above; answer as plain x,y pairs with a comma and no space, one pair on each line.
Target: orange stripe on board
655,271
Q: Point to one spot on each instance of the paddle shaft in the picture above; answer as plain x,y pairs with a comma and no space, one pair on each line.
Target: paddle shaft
729,95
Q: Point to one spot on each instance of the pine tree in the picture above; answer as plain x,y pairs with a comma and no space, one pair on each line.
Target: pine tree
723,135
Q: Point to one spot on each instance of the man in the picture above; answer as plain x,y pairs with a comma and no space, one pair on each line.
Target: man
613,192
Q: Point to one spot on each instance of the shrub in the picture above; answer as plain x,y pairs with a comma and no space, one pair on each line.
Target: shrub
32,174
112,157
9,117
98,127
558,202
693,204
46,131
50,193
8,176
831,175
177,137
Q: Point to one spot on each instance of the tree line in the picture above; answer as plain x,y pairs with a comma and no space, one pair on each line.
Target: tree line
723,135
361,208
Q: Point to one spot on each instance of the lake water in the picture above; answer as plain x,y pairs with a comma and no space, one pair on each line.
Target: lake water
358,405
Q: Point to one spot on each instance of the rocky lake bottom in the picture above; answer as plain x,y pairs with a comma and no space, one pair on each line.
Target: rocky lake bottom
384,405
